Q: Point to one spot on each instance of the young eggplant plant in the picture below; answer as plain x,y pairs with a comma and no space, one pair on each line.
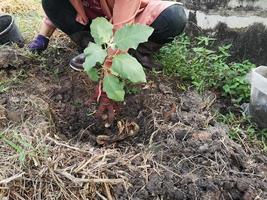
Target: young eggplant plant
110,52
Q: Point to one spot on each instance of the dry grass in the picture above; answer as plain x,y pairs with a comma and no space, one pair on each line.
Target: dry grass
36,165
19,6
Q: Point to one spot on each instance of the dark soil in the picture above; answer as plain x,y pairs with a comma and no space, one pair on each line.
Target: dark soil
249,43
189,154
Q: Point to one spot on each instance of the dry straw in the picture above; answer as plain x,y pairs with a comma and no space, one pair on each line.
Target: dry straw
19,6
36,165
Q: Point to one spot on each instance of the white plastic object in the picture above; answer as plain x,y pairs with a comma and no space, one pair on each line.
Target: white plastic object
258,100
258,78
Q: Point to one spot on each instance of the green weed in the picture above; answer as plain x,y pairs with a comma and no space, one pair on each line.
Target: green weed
242,127
19,144
5,84
205,68
4,87
130,89
28,151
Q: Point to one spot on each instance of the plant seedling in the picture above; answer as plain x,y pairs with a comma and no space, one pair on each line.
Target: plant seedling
110,52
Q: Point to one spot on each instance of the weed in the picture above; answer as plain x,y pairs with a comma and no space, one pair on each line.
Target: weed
174,57
205,68
132,90
242,127
235,83
3,87
19,144
77,104
6,84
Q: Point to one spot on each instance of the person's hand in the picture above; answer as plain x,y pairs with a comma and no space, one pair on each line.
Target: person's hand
82,19
107,108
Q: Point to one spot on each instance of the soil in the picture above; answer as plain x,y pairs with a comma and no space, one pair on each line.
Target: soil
190,154
248,43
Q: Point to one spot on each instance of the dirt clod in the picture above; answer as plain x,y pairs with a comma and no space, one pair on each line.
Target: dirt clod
165,89
15,116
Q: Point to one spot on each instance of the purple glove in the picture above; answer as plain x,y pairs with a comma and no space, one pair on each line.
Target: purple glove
39,44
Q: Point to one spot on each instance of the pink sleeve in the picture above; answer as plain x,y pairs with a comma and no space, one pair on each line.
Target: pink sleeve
47,21
124,12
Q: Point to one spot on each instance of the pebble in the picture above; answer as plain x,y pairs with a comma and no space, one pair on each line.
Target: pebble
3,101
59,97
203,148
185,107
14,99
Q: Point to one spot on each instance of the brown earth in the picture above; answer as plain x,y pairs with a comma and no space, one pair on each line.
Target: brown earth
248,43
181,152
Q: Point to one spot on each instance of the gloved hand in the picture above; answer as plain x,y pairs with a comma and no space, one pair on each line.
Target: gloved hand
107,108
39,44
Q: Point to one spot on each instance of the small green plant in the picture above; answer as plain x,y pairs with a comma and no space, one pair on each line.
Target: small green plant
110,52
132,90
206,68
174,57
235,84
6,83
3,88
242,128
19,144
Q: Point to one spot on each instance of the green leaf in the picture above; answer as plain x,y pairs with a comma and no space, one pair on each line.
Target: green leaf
93,74
13,145
101,30
22,156
114,88
93,54
129,68
130,36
